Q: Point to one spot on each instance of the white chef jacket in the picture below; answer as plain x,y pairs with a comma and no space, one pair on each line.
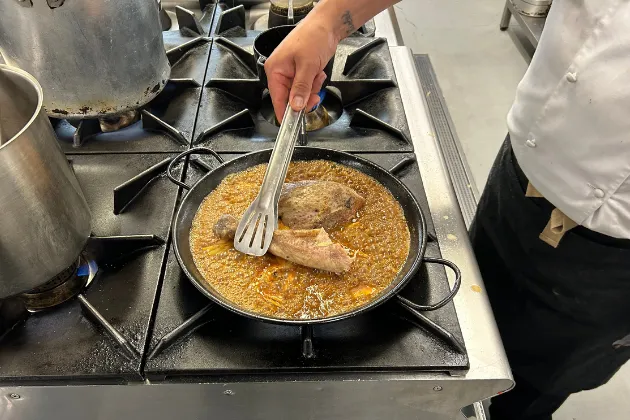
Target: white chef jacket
570,122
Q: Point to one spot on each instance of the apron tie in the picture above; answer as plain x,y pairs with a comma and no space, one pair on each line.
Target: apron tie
558,224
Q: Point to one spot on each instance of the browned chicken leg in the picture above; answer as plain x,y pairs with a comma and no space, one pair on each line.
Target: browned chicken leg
317,204
308,247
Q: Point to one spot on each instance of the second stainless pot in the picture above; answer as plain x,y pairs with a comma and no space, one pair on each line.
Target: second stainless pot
92,57
44,218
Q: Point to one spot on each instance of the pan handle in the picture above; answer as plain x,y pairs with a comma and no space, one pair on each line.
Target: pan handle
193,151
447,299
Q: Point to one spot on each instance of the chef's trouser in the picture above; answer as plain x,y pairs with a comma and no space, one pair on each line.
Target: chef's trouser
562,312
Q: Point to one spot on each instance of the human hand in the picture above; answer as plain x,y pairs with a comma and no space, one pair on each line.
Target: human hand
295,69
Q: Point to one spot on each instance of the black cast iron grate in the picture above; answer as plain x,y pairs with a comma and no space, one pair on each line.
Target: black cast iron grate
234,20
236,115
192,337
100,335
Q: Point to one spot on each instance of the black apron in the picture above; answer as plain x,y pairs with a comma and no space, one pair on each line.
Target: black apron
559,310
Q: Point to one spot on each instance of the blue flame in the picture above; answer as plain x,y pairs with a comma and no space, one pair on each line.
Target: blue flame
322,95
88,269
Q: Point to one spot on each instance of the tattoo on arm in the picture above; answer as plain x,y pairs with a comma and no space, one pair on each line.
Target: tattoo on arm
347,20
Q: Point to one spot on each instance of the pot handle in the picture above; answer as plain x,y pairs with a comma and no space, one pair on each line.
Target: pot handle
448,298
260,70
193,151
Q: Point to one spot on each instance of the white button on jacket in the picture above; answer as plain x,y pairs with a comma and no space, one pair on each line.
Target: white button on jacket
576,97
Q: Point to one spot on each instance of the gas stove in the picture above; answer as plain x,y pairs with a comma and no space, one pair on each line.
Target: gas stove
99,335
142,319
365,112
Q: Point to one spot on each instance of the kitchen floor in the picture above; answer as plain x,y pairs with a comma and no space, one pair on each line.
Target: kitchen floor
478,68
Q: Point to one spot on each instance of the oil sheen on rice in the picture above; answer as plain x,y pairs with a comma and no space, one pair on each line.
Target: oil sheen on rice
280,289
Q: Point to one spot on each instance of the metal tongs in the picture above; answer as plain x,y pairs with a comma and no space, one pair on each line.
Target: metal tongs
256,228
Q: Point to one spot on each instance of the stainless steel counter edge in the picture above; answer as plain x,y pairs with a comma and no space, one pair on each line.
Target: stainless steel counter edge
387,27
485,350
350,400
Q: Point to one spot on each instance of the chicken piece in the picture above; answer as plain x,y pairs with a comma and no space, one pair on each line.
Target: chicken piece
310,248
318,204
225,227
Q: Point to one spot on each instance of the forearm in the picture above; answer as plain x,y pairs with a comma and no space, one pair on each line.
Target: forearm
344,17
295,69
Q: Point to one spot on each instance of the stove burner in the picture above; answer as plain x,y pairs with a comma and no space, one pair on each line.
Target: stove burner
117,122
88,127
61,288
319,118
326,113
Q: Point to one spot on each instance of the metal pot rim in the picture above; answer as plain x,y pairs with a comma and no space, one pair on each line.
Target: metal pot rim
40,99
266,33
